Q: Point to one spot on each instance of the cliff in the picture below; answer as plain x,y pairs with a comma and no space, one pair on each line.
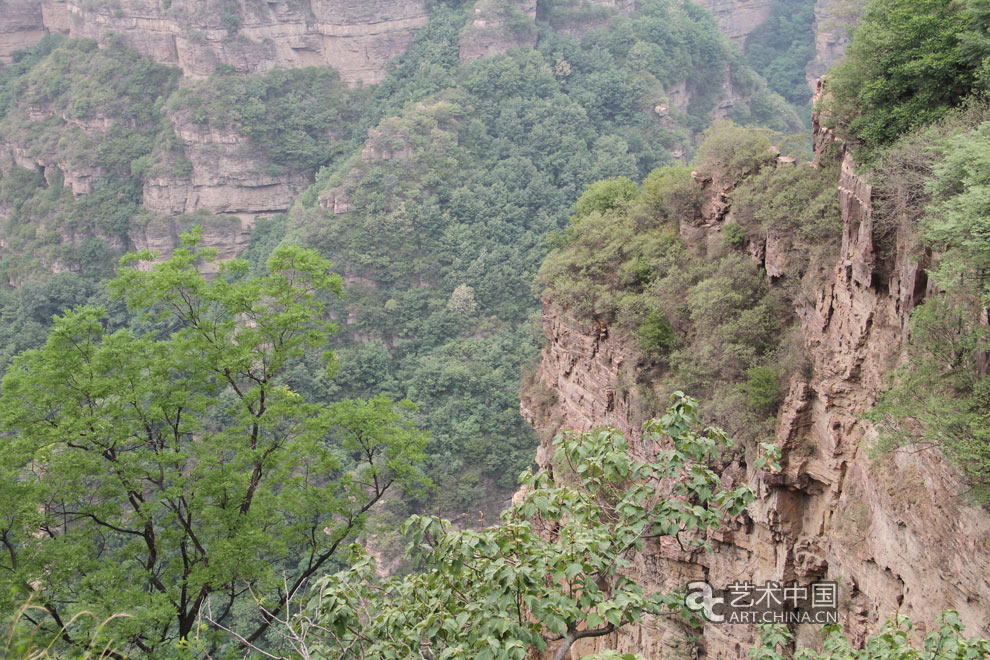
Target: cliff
832,21
21,26
218,169
498,26
356,38
737,18
893,532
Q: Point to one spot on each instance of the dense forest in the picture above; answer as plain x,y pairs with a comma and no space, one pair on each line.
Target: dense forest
207,456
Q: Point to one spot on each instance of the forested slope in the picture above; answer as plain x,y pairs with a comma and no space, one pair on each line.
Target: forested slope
435,191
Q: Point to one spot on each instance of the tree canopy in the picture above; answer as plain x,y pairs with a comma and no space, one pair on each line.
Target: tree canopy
166,473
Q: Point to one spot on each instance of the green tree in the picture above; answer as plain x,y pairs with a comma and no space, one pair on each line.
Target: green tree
904,68
168,474
605,196
552,572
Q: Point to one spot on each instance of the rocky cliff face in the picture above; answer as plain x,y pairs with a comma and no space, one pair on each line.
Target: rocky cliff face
832,21
497,27
737,18
21,26
221,172
228,235
356,38
893,532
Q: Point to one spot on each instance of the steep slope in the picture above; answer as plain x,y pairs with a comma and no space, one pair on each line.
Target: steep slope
893,532
441,220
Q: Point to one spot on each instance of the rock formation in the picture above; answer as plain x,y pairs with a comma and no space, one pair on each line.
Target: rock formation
832,21
228,235
356,38
497,27
21,26
893,532
737,18
222,173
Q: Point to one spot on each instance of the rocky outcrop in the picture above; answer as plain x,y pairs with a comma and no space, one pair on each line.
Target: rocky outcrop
498,26
228,235
356,38
21,26
737,18
220,170
832,21
64,145
575,17
893,532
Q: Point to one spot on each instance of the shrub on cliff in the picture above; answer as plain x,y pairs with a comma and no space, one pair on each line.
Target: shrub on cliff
909,62
893,641
942,395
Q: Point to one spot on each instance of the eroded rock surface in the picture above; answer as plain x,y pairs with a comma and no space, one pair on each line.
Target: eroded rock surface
737,18
356,38
222,172
894,533
21,26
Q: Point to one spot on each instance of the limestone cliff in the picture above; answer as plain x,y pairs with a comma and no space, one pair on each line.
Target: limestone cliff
892,532
498,26
228,235
356,38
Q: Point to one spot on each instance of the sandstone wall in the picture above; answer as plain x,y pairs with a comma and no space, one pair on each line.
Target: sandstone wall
894,533
832,21
497,28
228,235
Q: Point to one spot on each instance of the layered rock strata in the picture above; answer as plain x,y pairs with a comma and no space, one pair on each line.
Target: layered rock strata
356,38
221,172
21,26
894,532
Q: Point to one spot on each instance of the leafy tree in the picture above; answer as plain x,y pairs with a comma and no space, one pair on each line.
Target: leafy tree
729,152
553,571
656,335
605,196
904,68
671,194
763,391
170,473
733,235
959,223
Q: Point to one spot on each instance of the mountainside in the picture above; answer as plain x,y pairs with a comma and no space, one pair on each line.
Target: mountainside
357,39
433,192
893,531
